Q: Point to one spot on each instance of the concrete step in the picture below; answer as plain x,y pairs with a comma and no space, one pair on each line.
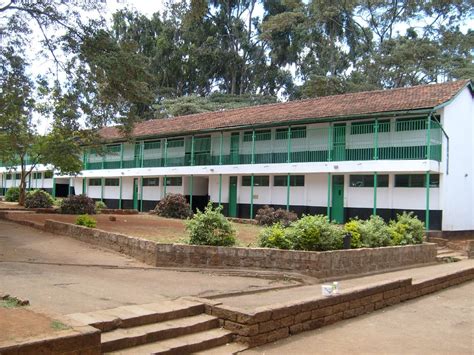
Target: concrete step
185,344
130,337
133,316
226,349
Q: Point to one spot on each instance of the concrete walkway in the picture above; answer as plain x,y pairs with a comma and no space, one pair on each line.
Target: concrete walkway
250,302
61,275
441,323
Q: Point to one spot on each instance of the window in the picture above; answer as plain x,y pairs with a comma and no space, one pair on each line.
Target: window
368,181
416,180
9,176
282,180
262,135
151,181
296,132
95,182
113,148
112,182
37,176
152,145
18,176
176,143
174,181
48,174
413,124
257,180
366,127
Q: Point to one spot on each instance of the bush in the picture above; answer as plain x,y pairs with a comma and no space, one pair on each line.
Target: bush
210,228
267,216
374,232
315,233
38,199
407,229
174,206
86,221
353,227
274,237
78,204
100,205
12,194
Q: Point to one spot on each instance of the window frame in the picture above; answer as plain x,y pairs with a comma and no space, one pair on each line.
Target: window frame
295,180
116,182
90,180
146,181
247,180
434,181
170,179
370,183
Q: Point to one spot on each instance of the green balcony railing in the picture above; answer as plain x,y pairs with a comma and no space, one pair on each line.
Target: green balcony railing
401,139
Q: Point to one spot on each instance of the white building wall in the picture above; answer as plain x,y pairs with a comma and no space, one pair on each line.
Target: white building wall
458,183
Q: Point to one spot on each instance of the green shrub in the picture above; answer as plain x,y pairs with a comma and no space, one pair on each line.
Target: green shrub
315,233
38,199
353,227
267,216
374,232
12,194
174,206
57,202
100,205
274,237
407,229
78,204
210,228
86,221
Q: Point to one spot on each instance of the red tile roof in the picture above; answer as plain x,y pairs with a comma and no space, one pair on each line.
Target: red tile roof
360,103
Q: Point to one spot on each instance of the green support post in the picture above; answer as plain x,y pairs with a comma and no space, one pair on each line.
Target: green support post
427,213
120,193
328,211
102,181
191,183
374,211
192,150
330,142
288,135
164,186
376,139
428,156
221,148
54,187
142,153
251,196
253,147
121,155
84,159
220,190
165,159
141,194
84,182
288,192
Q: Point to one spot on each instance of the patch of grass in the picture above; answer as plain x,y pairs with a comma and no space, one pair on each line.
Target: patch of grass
57,325
10,302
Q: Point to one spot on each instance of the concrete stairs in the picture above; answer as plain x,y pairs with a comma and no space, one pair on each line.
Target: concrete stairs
168,327
447,254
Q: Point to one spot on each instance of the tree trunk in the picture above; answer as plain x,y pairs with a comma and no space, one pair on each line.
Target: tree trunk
21,199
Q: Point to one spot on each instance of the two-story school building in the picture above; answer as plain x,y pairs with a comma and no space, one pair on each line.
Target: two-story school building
352,155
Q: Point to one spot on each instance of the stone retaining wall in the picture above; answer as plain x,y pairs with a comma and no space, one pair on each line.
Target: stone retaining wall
331,264
268,324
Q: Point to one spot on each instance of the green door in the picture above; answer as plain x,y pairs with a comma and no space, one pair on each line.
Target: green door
234,148
339,142
135,193
233,196
337,209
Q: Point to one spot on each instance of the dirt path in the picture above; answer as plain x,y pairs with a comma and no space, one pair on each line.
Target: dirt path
61,275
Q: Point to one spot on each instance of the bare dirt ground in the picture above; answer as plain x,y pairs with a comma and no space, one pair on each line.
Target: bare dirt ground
9,205
165,230
21,323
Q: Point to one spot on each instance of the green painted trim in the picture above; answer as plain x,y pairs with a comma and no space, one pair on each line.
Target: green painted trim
428,138
251,196
328,211
288,192
120,193
427,212
121,155
374,211
84,184
165,160
142,153
141,194
220,190
330,133
164,185
191,186
192,150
